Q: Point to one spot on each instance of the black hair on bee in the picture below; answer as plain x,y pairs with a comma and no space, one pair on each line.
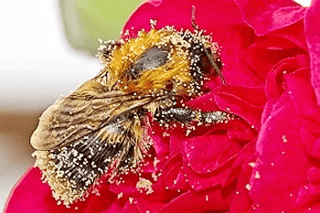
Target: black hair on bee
103,124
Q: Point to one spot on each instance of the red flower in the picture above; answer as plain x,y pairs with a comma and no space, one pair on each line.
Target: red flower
269,161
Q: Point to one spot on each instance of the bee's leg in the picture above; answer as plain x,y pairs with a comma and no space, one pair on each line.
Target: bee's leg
184,115
175,114
216,117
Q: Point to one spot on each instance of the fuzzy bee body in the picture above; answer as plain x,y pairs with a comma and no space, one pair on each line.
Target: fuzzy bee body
103,123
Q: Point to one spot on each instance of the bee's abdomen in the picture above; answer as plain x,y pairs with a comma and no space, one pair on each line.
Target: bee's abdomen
82,162
72,169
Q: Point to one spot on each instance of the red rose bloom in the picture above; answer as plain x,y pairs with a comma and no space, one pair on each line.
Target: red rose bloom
267,161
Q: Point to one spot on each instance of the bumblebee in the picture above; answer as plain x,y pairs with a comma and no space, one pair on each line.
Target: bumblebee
103,123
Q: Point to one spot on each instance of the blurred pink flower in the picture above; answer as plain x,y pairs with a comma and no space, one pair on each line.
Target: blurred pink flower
268,161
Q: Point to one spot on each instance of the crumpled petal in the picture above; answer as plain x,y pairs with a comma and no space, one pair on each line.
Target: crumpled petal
276,80
199,202
273,180
207,153
313,40
267,16
243,101
31,194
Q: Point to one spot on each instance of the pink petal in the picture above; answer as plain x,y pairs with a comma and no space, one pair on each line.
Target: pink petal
314,175
307,200
126,186
176,137
241,202
300,89
31,195
240,169
282,164
175,180
149,206
294,33
205,102
170,182
243,101
121,207
313,40
200,182
308,110
207,153
276,84
267,16
217,199
311,143
207,161
241,132
101,201
263,55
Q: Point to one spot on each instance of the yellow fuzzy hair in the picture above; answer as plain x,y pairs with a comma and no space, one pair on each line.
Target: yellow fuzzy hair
176,70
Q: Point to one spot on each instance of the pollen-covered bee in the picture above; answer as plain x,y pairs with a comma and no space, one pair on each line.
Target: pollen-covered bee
103,123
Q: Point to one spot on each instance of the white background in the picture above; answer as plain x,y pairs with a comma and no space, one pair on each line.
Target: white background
37,65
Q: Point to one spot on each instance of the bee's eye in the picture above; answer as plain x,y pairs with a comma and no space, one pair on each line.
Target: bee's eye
152,58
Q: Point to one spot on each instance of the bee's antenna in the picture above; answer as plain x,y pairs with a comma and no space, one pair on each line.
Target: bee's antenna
212,62
193,18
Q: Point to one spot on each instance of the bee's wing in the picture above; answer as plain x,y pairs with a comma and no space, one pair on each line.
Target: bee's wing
82,134
84,112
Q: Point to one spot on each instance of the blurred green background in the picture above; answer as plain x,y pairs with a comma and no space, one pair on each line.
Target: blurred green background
85,21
